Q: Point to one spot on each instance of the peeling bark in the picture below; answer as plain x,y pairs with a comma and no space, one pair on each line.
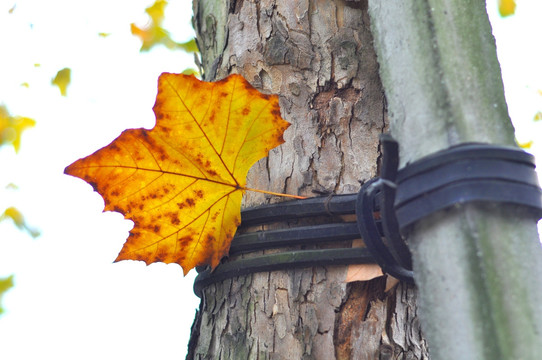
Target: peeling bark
318,56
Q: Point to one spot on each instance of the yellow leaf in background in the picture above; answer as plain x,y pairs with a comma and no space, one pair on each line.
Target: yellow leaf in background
156,11
507,7
152,36
62,80
190,46
153,33
190,71
12,127
5,285
19,221
12,186
14,215
103,34
25,84
538,116
526,145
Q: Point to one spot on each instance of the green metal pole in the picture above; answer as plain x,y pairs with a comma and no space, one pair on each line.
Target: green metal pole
478,267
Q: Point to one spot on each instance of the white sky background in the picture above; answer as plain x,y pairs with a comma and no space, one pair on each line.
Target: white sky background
70,301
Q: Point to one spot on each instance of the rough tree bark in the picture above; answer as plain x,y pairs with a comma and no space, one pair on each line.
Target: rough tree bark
318,56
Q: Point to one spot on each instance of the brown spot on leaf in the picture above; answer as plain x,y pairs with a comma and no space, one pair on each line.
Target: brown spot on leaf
184,241
143,133
93,184
114,147
215,215
212,117
174,219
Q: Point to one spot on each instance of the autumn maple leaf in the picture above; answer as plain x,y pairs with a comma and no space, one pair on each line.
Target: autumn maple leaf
181,183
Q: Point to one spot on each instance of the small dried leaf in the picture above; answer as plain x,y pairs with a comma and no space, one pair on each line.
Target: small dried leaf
362,272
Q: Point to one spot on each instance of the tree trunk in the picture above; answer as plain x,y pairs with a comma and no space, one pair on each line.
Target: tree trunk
318,56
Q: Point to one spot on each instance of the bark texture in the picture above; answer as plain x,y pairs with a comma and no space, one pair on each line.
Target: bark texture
318,56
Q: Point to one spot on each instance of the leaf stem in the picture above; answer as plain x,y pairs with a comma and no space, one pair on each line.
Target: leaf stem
276,194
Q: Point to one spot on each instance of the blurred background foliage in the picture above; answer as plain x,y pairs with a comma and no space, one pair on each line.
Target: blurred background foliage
12,127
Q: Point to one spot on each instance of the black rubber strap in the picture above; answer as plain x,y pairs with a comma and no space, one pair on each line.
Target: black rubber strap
288,210
304,235
324,206
386,202
282,261
466,173
371,236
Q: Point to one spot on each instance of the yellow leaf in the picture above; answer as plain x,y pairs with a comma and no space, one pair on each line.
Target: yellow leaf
526,145
153,33
190,46
181,183
19,221
190,71
507,7
156,11
14,215
12,127
5,285
538,116
103,34
62,80
12,186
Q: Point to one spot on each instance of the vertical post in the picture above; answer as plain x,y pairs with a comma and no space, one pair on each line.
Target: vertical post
478,267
